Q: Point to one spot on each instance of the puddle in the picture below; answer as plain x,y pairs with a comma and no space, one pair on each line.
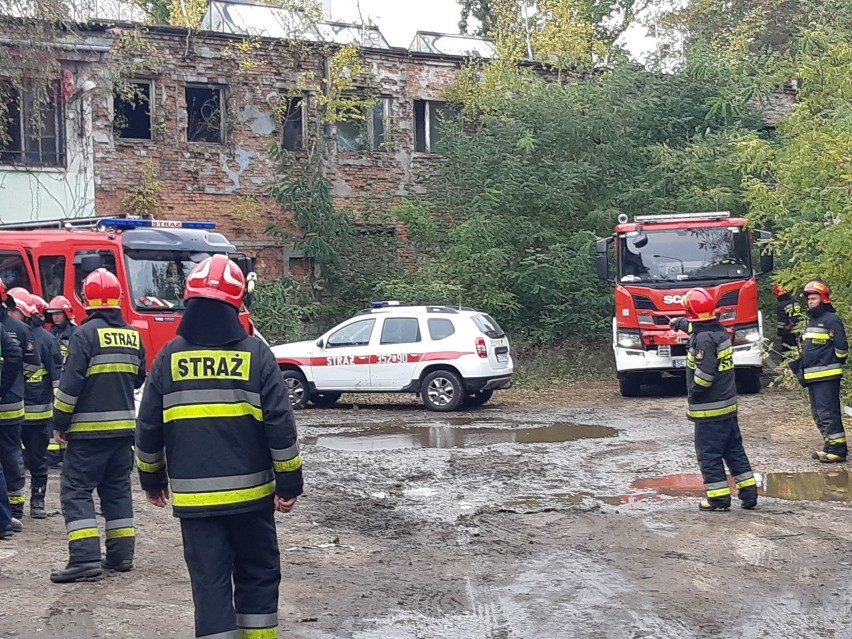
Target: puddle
806,486
397,436
539,502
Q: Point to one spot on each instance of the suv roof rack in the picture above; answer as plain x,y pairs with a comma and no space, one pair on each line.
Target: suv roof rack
72,222
676,217
429,308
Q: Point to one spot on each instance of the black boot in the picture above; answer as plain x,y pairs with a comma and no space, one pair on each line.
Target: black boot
713,505
125,565
77,572
748,498
37,510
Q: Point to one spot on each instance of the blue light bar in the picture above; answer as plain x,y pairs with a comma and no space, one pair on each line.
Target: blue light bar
121,223
387,303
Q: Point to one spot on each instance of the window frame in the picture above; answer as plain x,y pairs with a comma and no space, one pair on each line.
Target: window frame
60,259
436,320
7,154
427,142
303,128
151,106
368,123
371,320
79,276
222,90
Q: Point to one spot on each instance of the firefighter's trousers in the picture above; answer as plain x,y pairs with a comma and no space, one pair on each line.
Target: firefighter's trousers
104,464
5,512
12,461
719,442
825,408
35,439
242,549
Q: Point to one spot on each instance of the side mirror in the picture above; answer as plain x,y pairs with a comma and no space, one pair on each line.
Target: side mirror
640,240
89,263
320,343
245,263
767,263
602,258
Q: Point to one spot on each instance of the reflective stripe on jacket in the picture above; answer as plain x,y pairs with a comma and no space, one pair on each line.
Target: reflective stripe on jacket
38,389
216,423
824,346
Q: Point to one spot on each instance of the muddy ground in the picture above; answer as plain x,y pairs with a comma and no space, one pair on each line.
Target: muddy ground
562,512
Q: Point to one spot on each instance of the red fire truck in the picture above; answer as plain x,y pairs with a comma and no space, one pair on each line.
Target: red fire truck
150,257
658,258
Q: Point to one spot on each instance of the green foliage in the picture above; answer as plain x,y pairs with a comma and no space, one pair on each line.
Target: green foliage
284,310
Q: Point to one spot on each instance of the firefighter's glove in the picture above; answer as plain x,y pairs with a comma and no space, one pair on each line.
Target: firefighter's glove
796,368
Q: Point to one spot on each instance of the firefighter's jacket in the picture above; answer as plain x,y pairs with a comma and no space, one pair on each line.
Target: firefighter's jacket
789,314
221,417
106,362
11,356
63,334
39,386
12,402
824,347
710,378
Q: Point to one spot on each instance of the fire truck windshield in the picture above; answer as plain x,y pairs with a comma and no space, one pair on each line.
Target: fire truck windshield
684,255
157,278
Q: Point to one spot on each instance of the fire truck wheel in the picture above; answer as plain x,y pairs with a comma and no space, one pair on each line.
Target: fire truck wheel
630,384
324,400
297,386
748,381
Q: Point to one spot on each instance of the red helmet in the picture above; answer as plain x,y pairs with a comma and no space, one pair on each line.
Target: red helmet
778,290
819,288
23,301
217,278
700,305
60,304
3,294
40,304
102,290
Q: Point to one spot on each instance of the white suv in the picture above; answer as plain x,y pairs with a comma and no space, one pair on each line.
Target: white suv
450,355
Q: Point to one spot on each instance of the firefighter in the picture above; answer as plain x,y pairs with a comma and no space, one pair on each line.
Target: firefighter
208,383
12,361
62,317
789,314
712,404
94,411
12,403
823,352
38,399
62,327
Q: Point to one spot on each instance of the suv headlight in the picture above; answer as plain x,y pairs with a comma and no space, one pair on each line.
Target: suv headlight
747,335
628,339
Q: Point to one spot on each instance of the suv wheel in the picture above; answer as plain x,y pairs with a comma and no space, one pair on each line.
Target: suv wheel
297,386
479,398
442,391
325,400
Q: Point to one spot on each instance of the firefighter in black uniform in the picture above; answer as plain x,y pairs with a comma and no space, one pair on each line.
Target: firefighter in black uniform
12,358
61,315
38,400
824,350
712,404
789,314
207,385
94,410
12,404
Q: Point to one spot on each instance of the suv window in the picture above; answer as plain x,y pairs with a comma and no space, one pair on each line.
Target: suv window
355,334
488,326
440,328
400,330
12,270
107,260
52,270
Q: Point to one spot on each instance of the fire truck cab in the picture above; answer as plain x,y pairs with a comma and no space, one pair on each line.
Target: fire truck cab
151,259
657,259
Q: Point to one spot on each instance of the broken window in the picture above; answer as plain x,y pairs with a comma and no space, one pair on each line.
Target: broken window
31,124
205,114
293,125
366,133
132,109
429,116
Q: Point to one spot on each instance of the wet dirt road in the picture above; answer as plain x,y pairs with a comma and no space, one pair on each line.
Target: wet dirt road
568,512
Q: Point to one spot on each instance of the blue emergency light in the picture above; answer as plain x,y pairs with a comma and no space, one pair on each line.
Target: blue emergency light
382,304
122,223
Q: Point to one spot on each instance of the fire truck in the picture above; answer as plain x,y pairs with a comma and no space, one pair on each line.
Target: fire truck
657,259
151,258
